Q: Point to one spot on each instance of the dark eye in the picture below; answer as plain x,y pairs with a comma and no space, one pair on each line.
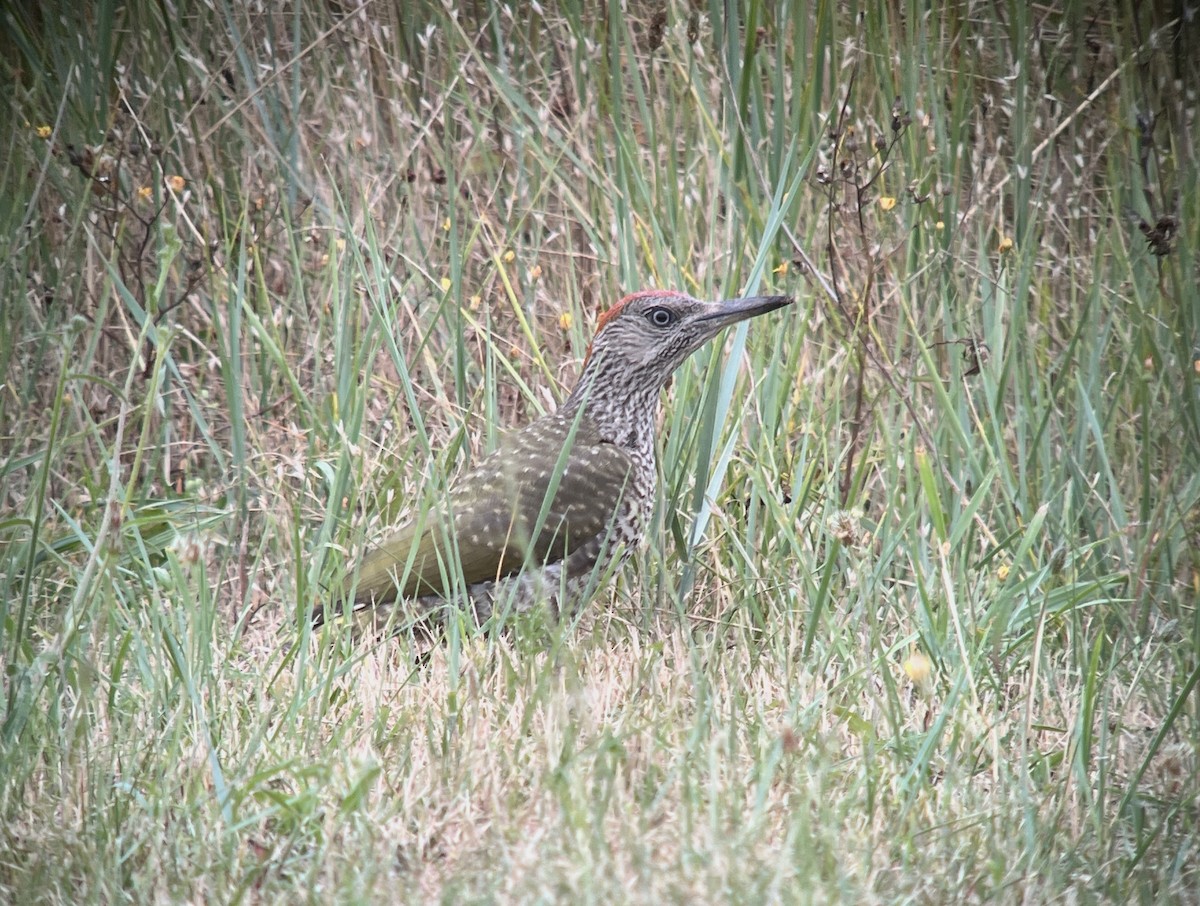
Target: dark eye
661,317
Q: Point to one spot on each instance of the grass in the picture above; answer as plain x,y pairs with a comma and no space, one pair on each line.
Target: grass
916,618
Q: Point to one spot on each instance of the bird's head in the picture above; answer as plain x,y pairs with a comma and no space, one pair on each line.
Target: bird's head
649,334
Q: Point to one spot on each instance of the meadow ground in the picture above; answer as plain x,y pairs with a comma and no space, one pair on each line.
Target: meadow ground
916,621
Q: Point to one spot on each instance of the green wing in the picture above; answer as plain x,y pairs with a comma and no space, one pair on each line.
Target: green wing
494,511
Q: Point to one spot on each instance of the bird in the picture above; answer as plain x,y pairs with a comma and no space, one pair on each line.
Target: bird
561,503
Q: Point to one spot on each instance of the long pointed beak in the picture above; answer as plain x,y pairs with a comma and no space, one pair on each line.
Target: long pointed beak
731,311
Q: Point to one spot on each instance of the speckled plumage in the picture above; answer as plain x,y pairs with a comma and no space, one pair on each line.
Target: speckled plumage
565,499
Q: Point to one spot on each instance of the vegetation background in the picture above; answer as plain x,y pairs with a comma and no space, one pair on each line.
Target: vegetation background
917,620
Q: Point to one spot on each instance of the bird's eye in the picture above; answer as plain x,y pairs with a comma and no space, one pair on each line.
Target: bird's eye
661,317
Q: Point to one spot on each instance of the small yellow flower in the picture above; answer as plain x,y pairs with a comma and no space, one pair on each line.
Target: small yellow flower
1005,244
144,192
446,284
565,321
535,272
44,131
475,302
176,183
941,225
446,225
510,256
781,270
887,202
917,667
1002,572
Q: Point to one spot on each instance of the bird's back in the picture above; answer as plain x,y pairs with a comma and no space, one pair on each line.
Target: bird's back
555,494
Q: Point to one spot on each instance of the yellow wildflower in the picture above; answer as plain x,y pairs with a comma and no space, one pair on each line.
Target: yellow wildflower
917,667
